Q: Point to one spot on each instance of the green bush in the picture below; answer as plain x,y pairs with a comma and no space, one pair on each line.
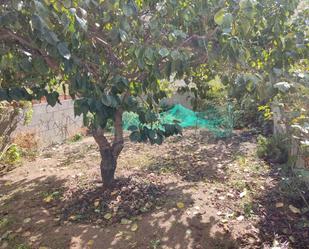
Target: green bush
274,148
13,155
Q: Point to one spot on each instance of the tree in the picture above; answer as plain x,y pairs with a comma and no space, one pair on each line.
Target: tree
112,56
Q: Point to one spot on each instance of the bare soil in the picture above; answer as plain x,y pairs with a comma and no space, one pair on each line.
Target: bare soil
192,192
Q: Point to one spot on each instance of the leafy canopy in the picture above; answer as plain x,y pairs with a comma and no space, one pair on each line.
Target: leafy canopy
113,55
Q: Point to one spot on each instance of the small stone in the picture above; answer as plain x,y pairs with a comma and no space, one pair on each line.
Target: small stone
240,218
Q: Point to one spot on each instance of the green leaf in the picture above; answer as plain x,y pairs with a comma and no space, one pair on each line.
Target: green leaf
106,100
123,35
164,52
40,66
245,4
135,136
150,117
63,50
219,16
132,128
149,54
159,139
50,37
109,100
175,55
127,10
82,22
224,19
52,98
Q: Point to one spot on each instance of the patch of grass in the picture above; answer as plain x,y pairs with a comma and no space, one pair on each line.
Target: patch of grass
22,246
139,161
4,222
12,241
248,209
155,243
76,138
238,184
50,196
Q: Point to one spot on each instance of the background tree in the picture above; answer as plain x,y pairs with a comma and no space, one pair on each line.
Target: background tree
112,55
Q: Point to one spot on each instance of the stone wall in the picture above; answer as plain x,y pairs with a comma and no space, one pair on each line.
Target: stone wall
52,124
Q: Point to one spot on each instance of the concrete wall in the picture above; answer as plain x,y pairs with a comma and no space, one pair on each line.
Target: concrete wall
56,124
52,124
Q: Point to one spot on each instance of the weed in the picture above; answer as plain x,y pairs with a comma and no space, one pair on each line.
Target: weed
273,148
13,155
248,209
155,243
22,246
77,137
4,222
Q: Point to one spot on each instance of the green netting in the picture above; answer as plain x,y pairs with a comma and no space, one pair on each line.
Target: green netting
218,121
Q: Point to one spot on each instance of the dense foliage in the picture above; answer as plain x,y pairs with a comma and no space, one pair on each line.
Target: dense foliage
112,56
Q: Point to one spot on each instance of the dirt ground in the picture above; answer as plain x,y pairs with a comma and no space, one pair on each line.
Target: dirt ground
192,192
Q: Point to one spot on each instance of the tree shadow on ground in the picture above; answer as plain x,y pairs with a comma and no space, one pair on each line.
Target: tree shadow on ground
33,219
197,158
280,220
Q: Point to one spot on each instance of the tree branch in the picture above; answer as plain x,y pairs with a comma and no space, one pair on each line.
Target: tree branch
118,142
6,34
101,140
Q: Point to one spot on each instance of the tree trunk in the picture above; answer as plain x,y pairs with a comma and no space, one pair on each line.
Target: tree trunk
110,152
108,167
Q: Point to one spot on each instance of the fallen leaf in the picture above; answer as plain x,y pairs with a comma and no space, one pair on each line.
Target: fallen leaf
125,221
180,205
48,199
134,227
226,228
96,203
73,217
90,242
8,183
27,220
294,210
108,216
305,210
279,204
143,209
224,221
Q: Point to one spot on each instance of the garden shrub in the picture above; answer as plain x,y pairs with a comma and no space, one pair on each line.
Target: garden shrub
274,148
